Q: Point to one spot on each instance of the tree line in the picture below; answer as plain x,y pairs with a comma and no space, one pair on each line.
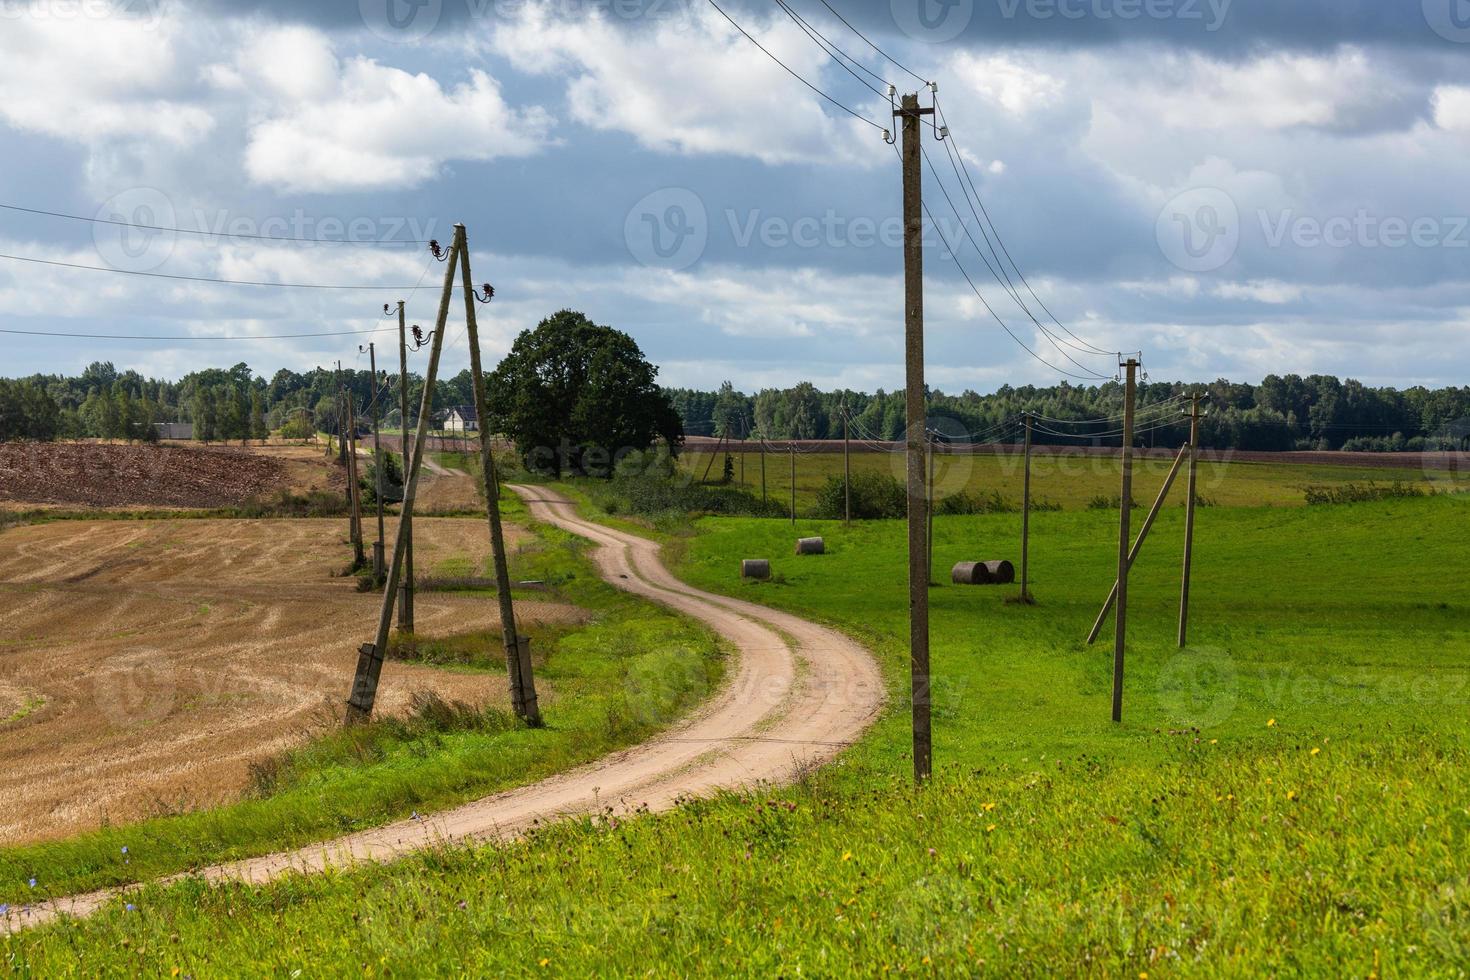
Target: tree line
223,404
1283,412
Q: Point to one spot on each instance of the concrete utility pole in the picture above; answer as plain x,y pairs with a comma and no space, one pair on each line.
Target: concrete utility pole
377,464
405,519
913,267
1125,515
517,647
846,466
1194,418
1026,518
371,655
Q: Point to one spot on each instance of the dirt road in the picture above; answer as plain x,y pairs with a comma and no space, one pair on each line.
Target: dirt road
796,695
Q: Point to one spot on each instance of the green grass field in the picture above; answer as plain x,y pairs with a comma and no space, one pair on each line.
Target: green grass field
445,755
1285,796
1071,481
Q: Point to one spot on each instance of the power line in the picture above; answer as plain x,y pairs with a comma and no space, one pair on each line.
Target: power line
234,339
884,54
204,279
1092,374
834,52
852,112
211,234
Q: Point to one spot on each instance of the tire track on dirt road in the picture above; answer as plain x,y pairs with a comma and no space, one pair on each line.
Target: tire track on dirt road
795,695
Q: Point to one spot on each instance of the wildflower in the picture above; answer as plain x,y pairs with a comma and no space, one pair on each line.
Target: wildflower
32,883
1291,794
125,848
4,909
544,961
987,807
1271,723
1316,751
990,828
847,855
1214,741
131,907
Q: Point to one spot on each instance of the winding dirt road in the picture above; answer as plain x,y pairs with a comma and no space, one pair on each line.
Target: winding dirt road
796,694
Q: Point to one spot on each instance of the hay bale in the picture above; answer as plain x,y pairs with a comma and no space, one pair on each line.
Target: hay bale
810,546
756,568
983,573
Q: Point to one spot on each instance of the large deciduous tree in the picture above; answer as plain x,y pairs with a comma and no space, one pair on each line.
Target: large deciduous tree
572,395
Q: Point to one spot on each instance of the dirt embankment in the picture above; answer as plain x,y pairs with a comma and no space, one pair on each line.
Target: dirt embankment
107,475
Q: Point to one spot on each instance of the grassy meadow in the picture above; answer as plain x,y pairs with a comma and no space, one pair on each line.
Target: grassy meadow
1068,480
1286,795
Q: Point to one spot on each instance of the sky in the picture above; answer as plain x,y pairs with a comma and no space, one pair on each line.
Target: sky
1233,187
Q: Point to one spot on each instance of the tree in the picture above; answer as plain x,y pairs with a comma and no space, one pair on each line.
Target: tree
575,395
258,429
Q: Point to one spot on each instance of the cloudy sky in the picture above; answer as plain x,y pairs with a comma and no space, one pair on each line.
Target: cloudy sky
1237,187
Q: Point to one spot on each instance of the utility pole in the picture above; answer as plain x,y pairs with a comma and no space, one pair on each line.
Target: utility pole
791,449
377,464
1026,518
405,518
763,468
913,267
846,465
371,655
517,647
929,552
1194,417
1120,620
359,558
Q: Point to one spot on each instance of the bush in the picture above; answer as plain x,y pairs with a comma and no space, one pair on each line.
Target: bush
1358,493
965,502
654,495
875,496
1101,502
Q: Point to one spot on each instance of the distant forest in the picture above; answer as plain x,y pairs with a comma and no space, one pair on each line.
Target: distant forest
1281,413
223,404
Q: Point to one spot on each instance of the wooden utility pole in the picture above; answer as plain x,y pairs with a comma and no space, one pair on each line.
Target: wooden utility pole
517,647
371,655
929,536
846,466
763,468
1125,515
1026,518
359,556
377,463
1189,519
405,519
913,267
791,449
1148,523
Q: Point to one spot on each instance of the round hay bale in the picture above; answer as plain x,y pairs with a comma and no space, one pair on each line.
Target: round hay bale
756,568
810,546
983,573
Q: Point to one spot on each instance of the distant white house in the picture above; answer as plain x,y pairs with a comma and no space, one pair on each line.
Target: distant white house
462,418
174,430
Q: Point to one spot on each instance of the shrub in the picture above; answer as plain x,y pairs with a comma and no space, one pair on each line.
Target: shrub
875,496
1357,493
654,495
1102,502
965,502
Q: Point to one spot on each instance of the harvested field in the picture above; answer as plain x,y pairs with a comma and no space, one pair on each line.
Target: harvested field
147,664
107,475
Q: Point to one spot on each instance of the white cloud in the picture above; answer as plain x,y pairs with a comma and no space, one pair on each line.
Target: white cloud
695,87
320,125
1013,83
90,78
1452,108
1262,291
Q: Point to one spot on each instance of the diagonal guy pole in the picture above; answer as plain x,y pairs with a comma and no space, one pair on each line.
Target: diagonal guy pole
370,655
517,647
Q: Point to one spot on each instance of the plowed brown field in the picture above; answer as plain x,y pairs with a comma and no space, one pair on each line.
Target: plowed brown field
145,664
